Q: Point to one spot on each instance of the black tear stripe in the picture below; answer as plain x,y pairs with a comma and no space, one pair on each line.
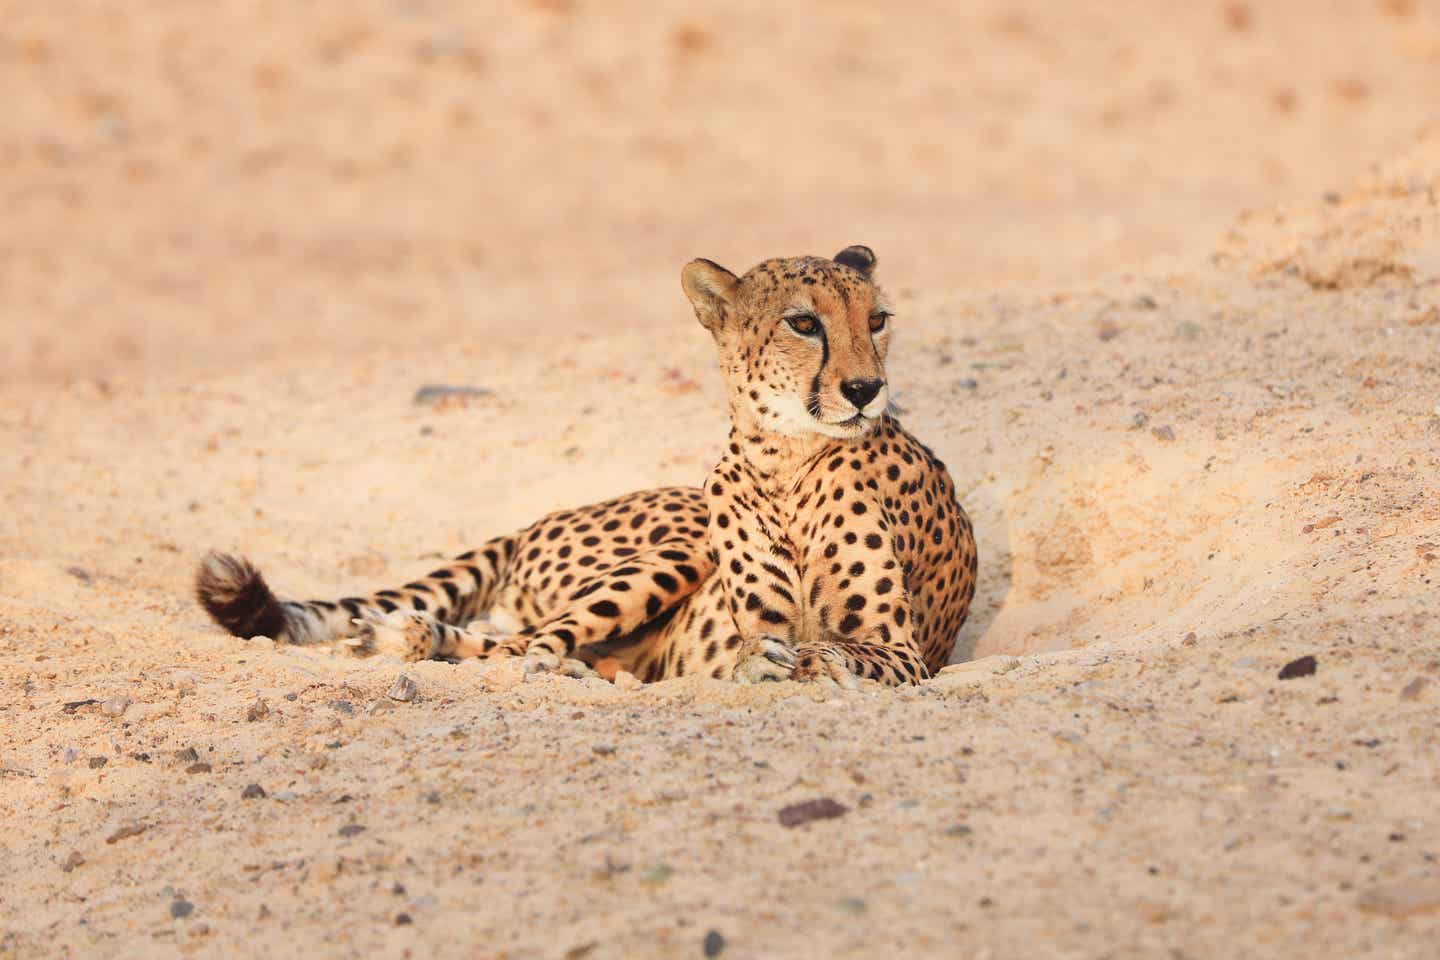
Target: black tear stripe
812,402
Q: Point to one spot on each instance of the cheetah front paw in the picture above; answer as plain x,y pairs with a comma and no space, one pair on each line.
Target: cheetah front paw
827,667
544,661
409,636
769,660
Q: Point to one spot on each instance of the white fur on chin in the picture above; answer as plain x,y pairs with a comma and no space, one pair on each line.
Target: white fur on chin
792,419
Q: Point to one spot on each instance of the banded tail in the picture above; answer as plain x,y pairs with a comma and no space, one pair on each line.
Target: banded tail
234,593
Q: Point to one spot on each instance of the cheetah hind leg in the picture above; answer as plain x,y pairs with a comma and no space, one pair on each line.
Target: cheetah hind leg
409,635
416,635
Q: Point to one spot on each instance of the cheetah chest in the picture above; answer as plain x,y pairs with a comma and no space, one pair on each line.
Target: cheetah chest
809,565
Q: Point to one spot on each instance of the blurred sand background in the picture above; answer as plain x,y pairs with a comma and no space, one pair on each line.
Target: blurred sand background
1170,279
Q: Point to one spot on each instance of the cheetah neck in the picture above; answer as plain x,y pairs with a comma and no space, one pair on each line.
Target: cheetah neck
777,460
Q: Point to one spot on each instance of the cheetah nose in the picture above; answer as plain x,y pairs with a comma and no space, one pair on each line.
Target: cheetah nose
861,392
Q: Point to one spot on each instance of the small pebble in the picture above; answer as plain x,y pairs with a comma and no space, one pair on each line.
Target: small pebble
958,830
115,706
351,829
72,861
256,711
434,393
181,908
853,905
1140,420
1413,689
1165,434
97,762
403,920
201,767
342,706
129,830
253,791
1301,667
658,874
714,944
188,755
823,808
603,749
403,689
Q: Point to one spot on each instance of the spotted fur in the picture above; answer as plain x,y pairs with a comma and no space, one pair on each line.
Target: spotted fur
826,545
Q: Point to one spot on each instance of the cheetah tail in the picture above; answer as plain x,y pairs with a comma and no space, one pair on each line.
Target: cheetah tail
237,597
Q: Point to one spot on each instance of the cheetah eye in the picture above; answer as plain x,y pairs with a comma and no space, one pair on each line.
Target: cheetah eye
878,319
804,324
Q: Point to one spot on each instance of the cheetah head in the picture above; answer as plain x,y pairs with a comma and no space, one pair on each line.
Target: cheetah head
802,341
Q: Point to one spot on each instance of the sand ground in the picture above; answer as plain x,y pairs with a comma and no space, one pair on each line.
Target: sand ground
1170,312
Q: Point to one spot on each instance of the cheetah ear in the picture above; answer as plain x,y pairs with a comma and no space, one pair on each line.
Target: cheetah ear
857,258
711,288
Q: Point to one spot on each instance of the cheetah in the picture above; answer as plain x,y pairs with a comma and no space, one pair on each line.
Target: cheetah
826,545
